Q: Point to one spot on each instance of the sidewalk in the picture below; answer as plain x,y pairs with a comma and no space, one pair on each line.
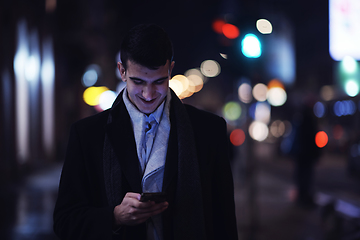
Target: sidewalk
276,216
28,207
266,212
270,212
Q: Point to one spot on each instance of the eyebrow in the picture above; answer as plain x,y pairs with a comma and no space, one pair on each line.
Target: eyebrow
139,79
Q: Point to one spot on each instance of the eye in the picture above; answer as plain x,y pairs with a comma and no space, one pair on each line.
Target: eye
159,82
137,81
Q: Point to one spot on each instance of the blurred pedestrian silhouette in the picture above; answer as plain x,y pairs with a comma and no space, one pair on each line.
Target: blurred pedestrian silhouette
305,152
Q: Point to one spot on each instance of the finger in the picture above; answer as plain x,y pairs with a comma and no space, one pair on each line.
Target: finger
155,208
150,205
144,205
132,195
137,216
150,213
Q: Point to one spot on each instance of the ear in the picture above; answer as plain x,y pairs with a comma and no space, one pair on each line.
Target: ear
122,71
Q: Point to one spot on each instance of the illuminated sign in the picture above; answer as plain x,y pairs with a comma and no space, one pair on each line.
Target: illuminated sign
344,29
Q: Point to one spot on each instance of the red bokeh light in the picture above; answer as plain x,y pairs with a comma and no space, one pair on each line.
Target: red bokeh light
237,137
230,31
217,25
321,139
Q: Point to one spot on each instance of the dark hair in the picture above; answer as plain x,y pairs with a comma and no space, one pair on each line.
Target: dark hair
147,45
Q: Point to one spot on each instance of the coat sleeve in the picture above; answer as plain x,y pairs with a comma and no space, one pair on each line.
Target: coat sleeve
78,214
223,188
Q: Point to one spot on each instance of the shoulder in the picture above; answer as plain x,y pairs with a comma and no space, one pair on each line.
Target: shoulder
205,124
202,117
94,122
99,120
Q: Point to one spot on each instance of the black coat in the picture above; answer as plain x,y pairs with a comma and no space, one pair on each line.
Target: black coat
82,210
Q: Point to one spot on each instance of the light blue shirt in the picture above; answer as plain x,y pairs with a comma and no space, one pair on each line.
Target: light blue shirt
140,123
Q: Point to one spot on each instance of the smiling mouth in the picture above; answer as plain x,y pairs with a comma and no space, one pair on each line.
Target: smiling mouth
148,102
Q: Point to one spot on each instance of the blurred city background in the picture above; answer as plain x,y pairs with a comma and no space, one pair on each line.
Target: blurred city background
284,74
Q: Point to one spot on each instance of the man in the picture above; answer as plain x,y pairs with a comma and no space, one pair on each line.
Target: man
149,141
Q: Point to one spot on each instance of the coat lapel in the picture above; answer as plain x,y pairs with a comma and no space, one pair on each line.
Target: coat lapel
171,163
122,139
121,136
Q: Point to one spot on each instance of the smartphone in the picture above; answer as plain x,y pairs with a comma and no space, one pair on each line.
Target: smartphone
157,197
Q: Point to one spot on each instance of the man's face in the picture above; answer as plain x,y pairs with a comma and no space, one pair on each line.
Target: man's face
147,88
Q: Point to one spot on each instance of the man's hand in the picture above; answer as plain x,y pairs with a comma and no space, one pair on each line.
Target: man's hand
132,212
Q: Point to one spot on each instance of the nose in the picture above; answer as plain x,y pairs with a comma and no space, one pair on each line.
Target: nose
148,92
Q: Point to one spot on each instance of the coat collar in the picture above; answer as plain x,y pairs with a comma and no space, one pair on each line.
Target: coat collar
121,137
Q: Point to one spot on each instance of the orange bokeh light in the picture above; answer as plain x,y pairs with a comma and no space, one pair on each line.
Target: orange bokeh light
230,31
321,139
237,137
217,25
275,83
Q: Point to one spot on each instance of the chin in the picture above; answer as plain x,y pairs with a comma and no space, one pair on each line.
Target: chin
147,110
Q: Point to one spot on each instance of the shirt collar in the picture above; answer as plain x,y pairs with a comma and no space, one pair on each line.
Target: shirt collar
137,116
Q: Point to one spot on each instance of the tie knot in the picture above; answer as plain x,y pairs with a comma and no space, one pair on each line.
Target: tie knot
150,122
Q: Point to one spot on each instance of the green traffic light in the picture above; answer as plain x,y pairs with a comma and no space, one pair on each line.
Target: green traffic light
349,76
251,46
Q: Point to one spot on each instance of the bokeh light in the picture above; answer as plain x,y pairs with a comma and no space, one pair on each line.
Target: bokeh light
237,137
230,31
183,80
232,111
321,139
244,93
277,128
276,96
91,95
262,112
349,64
91,75
264,26
89,78
217,25
258,131
251,46
210,68
21,92
344,108
185,86
106,99
352,88
194,71
327,93
252,110
189,91
188,88
223,55
288,128
50,5
260,92
196,77
32,67
319,109
275,83
176,86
